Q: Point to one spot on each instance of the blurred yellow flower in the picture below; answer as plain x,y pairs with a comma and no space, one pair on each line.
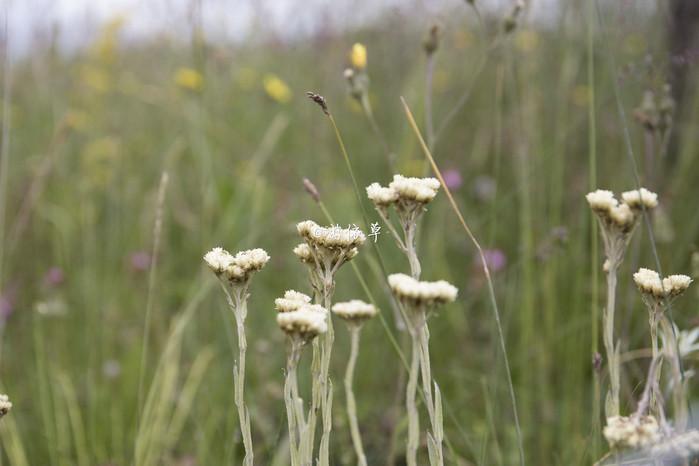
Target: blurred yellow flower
96,78
276,88
188,78
580,95
527,41
358,56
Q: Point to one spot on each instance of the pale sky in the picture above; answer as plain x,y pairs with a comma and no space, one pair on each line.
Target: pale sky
78,20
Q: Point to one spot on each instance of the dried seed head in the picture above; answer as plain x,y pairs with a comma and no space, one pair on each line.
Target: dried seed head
5,405
320,100
354,311
311,189
431,42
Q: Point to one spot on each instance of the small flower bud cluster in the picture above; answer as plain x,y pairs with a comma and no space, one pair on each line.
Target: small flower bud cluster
651,285
5,405
630,432
238,268
326,249
292,301
298,318
412,291
656,110
334,237
354,311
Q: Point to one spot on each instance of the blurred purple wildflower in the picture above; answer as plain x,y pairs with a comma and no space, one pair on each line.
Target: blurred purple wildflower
452,178
54,277
139,261
495,259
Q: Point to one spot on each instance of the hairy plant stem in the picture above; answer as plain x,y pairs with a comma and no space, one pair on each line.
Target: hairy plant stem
238,304
411,406
294,411
434,409
612,401
653,320
679,398
349,393
326,392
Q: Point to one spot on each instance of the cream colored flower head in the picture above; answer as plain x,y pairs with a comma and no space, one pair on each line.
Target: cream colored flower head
305,323
650,284
218,260
333,237
304,253
602,201
629,432
407,289
619,217
354,311
5,405
292,301
238,268
380,195
639,198
421,190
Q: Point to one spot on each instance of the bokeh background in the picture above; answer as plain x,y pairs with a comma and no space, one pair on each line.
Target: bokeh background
101,100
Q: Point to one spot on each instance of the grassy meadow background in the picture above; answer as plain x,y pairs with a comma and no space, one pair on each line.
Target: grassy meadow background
92,239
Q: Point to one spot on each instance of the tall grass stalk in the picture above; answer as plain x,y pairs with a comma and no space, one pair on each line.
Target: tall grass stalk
486,271
157,230
294,406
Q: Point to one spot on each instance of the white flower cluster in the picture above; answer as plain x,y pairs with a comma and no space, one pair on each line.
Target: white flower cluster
402,188
610,211
238,268
650,283
333,237
5,405
304,323
354,311
406,288
291,301
630,432
639,198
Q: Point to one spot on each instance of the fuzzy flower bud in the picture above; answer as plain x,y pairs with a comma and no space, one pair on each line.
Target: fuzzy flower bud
639,198
292,301
354,311
305,323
